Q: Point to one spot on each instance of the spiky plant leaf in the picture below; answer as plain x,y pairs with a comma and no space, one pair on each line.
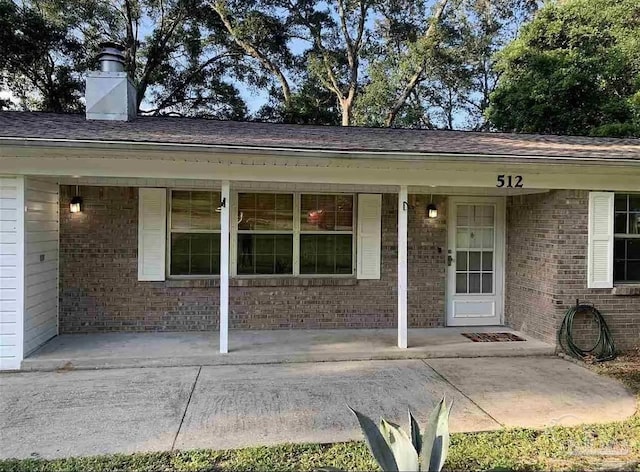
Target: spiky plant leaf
416,437
435,441
400,445
376,443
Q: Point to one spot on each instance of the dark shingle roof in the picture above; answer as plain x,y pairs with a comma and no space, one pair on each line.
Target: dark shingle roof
374,140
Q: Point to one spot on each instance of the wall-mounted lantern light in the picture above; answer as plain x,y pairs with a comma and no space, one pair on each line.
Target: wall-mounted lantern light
432,209
75,206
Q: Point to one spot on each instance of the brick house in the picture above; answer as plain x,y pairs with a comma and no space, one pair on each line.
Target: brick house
178,224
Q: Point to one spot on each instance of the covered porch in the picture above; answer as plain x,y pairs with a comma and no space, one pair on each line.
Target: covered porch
120,350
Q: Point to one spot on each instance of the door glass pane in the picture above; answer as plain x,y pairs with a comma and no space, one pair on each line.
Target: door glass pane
475,238
487,238
461,260
463,213
487,261
487,283
474,283
474,261
488,215
461,283
462,238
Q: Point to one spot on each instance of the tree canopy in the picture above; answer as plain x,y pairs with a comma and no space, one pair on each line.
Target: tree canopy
574,69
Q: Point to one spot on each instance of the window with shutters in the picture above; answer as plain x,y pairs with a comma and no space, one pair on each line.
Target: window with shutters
294,234
626,253
194,241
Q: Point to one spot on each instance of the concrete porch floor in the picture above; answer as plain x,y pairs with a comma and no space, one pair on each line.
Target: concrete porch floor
121,350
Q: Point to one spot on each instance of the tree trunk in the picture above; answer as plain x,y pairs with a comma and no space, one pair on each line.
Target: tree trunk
346,109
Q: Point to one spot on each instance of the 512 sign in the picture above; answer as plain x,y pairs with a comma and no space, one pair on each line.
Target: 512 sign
510,181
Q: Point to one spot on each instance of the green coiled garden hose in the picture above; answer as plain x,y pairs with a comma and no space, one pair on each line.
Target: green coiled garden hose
604,348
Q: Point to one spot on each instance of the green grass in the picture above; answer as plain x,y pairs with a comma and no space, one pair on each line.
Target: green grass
589,447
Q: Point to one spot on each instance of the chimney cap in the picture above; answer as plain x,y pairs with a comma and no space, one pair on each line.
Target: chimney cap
111,57
111,45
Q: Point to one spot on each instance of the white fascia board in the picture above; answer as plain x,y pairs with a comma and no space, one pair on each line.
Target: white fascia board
309,153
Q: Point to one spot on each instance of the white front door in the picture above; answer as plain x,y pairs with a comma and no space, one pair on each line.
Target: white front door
475,271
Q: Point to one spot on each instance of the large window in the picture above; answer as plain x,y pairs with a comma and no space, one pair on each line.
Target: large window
265,234
291,234
195,233
326,234
626,267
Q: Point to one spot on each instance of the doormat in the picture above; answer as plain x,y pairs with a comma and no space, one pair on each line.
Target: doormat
492,337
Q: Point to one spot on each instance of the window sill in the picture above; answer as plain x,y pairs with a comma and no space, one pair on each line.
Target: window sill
626,290
265,282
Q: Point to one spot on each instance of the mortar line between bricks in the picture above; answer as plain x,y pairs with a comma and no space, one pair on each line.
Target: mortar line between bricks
462,393
193,387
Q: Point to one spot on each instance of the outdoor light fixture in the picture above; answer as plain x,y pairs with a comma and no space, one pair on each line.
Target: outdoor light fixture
76,203
432,209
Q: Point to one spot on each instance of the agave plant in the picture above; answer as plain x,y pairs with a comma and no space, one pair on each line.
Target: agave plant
394,450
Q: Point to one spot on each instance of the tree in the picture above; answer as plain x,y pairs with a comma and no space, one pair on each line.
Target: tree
37,59
179,61
337,32
432,64
575,69
261,34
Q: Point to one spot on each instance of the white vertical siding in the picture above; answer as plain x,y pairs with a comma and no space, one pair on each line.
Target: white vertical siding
11,271
41,263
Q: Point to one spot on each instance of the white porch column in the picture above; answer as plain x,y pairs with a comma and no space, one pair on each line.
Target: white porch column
402,266
224,268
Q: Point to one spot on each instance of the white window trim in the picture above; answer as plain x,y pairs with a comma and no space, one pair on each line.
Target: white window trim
296,237
194,231
616,236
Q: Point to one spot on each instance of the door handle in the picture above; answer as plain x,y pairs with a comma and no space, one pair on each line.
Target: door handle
450,259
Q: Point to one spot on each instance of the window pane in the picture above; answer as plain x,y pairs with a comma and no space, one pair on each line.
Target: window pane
265,254
634,223
620,200
462,238
626,256
180,210
265,211
633,249
620,223
195,254
634,202
195,210
326,212
326,254
633,271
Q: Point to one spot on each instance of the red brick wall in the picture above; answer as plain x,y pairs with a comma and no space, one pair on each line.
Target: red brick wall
100,291
542,285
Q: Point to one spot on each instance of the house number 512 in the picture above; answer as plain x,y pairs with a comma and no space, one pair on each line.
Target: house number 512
509,181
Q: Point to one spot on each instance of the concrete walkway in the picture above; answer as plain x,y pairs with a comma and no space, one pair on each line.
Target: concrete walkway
85,412
120,350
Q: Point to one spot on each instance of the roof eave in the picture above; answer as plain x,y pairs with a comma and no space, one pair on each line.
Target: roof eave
310,152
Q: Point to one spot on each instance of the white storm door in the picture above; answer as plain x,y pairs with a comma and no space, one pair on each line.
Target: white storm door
475,272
